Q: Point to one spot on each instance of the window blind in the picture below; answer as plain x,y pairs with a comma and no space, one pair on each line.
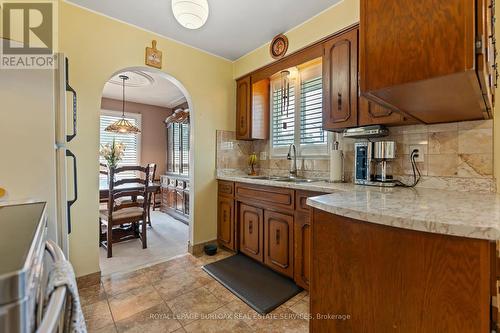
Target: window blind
131,142
178,148
311,112
185,148
283,129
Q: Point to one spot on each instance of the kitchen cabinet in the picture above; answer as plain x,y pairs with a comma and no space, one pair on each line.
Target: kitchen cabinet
278,245
273,225
340,81
252,109
251,224
225,222
371,113
392,279
432,60
226,215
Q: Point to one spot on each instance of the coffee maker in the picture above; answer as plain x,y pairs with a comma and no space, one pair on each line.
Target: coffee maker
372,163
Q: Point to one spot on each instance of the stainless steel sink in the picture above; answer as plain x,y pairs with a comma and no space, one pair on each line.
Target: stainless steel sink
295,180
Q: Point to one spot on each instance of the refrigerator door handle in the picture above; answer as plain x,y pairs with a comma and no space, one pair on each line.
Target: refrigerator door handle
75,188
70,89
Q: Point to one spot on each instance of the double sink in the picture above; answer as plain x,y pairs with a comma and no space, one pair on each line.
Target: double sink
284,179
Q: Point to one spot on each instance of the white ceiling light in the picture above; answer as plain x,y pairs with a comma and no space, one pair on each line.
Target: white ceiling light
191,14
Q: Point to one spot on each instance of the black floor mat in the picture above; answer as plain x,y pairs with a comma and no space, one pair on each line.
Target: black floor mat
258,286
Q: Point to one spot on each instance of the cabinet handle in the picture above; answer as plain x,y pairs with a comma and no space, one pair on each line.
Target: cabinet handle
277,237
339,101
250,227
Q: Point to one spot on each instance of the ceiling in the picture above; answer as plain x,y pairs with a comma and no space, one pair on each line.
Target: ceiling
146,88
234,27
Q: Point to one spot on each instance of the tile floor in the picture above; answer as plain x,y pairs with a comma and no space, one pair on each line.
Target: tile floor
178,296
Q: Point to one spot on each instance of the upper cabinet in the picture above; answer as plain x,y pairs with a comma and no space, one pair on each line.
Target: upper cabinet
252,109
340,81
433,60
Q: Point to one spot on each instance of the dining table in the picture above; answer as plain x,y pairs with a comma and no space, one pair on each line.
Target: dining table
104,188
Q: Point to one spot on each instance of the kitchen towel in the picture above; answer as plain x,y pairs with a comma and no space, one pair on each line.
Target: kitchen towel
62,274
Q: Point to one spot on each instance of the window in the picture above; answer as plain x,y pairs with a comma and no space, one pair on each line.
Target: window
178,149
301,123
131,155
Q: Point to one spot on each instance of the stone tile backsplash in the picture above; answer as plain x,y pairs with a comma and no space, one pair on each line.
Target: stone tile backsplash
457,156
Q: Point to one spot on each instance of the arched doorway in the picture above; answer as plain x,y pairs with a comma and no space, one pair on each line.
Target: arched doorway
151,98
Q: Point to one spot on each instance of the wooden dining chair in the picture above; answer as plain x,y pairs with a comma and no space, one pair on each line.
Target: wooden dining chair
151,178
126,219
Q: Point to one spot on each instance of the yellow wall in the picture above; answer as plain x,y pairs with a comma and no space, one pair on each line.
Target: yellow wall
98,47
326,23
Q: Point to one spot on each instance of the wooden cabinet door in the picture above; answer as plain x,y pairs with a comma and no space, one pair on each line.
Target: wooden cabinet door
251,231
370,113
278,244
244,108
302,247
340,82
225,222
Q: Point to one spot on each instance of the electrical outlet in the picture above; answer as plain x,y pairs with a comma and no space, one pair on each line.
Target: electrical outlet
421,152
263,155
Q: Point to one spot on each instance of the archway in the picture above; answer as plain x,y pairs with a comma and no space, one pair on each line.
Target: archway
158,75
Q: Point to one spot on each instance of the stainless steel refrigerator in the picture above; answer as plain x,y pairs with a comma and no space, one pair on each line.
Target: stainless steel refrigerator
38,110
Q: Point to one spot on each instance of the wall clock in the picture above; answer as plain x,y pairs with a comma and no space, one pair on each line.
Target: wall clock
279,46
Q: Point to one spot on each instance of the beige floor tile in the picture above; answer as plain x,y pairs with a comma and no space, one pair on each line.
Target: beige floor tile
118,283
162,271
107,329
157,319
199,275
295,299
221,292
132,302
93,294
301,308
177,285
280,320
190,306
219,321
180,330
97,315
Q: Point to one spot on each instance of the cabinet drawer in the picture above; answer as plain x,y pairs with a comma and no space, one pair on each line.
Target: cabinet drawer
268,195
226,188
301,198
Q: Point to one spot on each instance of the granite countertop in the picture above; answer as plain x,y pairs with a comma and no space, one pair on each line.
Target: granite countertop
466,214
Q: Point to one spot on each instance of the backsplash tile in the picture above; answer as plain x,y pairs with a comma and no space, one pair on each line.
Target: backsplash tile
458,156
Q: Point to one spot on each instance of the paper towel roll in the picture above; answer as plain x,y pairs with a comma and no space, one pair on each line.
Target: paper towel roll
336,165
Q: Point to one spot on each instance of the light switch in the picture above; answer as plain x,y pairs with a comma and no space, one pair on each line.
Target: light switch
263,155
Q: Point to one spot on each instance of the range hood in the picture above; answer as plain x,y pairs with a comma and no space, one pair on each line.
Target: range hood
374,131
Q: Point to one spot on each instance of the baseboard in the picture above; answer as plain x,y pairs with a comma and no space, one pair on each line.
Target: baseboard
88,280
197,249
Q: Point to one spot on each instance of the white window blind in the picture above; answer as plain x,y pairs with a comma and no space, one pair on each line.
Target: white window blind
283,128
131,155
178,148
304,124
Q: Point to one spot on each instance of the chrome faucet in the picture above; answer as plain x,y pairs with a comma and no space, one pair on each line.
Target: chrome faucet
293,163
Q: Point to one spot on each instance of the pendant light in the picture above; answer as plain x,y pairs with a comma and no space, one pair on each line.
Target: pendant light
123,126
191,14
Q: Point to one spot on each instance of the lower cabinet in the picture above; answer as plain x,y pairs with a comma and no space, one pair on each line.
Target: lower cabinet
251,231
269,224
302,255
278,244
225,222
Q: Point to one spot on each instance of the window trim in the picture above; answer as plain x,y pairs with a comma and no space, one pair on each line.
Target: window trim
133,115
305,151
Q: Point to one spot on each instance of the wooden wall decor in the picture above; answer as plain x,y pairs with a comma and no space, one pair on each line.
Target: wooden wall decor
153,56
279,46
